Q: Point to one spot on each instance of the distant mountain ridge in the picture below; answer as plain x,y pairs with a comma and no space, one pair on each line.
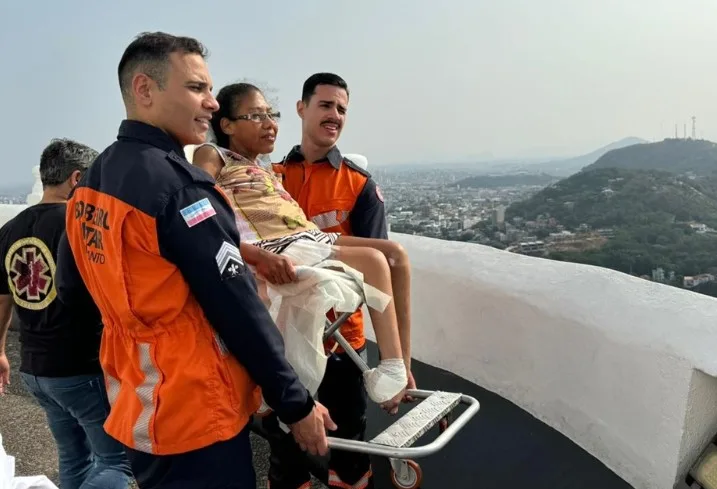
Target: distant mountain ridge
485,164
564,167
674,177
618,197
510,180
659,201
679,156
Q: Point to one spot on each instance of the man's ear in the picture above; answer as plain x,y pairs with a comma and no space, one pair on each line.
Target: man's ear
142,86
75,178
300,108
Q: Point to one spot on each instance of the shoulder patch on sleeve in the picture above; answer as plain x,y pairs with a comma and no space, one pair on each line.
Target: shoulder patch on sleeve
355,167
379,194
229,260
197,212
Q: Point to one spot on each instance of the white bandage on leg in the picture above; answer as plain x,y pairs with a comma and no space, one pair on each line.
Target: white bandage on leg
384,382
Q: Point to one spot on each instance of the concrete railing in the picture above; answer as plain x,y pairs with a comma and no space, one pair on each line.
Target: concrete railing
622,366
8,211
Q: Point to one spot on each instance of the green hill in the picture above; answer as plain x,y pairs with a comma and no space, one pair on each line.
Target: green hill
679,156
648,210
614,197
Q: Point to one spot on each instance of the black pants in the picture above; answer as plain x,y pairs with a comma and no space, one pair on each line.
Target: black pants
344,395
224,465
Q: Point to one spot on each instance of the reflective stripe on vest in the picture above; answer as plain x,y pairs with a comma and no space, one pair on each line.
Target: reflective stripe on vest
330,219
145,393
327,196
153,325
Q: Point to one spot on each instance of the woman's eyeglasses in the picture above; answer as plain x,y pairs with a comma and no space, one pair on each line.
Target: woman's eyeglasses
257,117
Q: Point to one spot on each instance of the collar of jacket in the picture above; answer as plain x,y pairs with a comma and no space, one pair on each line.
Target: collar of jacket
149,134
334,156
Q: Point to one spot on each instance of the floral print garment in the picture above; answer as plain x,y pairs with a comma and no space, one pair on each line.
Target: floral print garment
263,209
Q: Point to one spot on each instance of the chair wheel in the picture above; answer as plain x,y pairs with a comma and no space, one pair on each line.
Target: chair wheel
411,476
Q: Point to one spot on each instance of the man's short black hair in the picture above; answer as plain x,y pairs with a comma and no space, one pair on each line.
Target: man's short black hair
321,79
61,158
149,54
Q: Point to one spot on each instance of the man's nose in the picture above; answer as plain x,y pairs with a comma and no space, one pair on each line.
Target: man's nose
211,103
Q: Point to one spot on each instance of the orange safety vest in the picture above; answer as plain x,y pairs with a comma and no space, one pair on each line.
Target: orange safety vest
171,385
327,195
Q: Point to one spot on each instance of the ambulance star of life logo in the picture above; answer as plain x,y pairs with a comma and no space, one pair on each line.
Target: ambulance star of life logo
31,269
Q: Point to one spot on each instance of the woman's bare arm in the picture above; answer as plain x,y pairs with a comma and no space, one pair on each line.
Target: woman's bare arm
208,160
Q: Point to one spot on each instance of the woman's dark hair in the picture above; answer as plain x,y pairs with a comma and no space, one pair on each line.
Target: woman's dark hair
229,98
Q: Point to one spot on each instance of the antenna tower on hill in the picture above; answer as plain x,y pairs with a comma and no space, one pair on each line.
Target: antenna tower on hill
694,127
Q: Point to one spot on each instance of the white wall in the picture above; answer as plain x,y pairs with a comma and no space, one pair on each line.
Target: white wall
8,211
614,362
624,367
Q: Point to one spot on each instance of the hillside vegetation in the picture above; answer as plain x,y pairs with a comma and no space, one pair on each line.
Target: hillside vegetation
648,194
613,197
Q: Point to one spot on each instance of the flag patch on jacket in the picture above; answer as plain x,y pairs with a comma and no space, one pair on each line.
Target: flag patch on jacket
198,212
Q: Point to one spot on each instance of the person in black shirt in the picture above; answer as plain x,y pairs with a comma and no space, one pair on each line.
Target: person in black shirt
59,345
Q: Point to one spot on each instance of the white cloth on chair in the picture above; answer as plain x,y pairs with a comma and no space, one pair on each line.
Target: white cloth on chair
299,309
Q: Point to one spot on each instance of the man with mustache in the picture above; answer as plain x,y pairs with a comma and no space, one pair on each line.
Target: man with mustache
338,196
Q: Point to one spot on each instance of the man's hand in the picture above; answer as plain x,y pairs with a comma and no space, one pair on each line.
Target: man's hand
276,269
4,372
310,432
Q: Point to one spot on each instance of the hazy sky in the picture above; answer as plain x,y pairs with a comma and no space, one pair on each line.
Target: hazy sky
433,79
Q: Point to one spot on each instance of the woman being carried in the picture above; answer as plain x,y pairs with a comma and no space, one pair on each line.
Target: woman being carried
270,221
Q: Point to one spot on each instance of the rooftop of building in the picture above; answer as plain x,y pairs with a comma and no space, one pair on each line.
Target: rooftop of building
587,378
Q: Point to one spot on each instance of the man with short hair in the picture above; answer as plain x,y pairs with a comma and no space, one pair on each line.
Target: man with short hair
338,196
60,345
187,341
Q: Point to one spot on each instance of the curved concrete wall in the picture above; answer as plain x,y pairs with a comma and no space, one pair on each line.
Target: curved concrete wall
8,211
622,366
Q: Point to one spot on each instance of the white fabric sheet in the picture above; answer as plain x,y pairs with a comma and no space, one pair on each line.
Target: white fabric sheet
299,310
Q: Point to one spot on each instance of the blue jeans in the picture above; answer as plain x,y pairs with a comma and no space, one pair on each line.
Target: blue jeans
76,409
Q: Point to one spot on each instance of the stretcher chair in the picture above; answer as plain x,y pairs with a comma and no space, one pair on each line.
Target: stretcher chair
396,441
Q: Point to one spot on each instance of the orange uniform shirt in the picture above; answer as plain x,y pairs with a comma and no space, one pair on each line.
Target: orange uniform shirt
341,197
187,342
